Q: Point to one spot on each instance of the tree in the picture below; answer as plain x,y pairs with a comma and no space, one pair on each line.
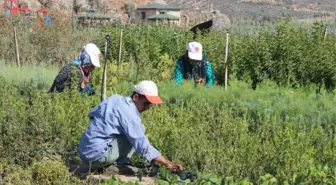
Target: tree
24,3
129,9
46,3
76,6
96,4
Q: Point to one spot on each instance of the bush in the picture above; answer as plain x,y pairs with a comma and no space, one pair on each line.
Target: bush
51,173
17,175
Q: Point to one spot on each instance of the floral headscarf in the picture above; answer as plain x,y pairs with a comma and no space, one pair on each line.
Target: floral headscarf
83,61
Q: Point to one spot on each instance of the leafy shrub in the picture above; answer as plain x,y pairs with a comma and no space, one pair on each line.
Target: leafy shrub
51,172
17,175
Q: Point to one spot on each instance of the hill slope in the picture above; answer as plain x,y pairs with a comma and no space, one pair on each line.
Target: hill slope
234,9
240,9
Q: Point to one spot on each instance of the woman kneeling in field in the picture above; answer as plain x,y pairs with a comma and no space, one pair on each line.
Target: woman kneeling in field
78,71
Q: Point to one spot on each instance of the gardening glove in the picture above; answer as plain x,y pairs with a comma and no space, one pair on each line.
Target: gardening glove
184,175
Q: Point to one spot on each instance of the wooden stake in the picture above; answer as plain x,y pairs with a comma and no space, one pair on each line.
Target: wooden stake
226,59
103,93
16,47
120,47
325,32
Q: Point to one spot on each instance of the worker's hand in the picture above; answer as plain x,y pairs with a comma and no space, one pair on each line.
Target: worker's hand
174,167
201,81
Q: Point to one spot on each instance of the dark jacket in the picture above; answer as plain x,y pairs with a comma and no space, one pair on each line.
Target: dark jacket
70,77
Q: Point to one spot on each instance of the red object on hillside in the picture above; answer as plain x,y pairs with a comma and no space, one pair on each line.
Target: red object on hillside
15,7
25,8
43,10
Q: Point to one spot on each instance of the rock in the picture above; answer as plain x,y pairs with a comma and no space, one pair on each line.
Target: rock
220,21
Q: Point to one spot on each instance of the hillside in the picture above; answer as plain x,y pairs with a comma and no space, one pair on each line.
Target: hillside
234,9
241,9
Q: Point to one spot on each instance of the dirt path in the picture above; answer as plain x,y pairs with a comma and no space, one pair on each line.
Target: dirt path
96,179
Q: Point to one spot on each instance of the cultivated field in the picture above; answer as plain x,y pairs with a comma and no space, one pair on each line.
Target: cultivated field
275,124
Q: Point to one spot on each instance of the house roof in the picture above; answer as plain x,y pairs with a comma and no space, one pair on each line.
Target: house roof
163,16
158,6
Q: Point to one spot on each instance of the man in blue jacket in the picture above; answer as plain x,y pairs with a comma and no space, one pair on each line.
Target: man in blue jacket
116,131
194,66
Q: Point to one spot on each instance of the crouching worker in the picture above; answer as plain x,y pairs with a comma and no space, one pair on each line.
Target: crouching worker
116,132
78,71
194,66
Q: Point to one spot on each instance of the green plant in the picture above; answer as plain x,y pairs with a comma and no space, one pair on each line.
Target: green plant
51,172
16,175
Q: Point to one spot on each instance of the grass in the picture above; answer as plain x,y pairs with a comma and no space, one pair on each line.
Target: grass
40,77
45,74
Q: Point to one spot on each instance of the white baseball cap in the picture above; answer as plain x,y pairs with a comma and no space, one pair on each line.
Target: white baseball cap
94,53
195,51
149,90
